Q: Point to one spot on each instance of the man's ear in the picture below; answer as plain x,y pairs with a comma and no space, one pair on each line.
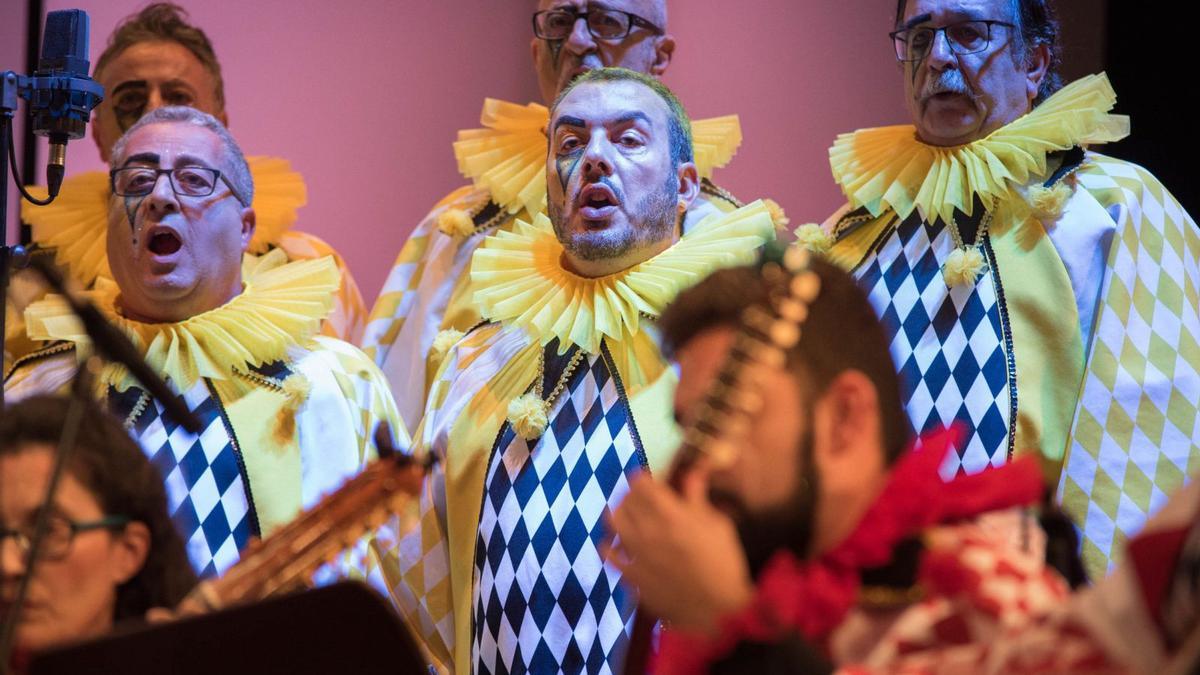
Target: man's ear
848,417
1037,66
95,137
689,185
131,547
249,218
664,49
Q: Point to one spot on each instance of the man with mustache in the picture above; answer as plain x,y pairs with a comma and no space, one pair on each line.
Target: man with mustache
287,414
824,541
425,304
539,415
156,58
1039,293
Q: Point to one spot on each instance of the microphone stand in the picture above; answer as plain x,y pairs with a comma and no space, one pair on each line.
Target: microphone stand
80,403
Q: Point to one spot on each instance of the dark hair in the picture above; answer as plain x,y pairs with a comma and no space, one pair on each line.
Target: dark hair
678,123
111,466
841,333
164,22
1036,24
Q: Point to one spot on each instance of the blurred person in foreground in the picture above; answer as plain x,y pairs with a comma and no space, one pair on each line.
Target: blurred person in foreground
829,543
111,552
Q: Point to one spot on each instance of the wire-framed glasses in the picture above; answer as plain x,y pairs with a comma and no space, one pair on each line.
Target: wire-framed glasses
190,181
60,532
602,23
964,37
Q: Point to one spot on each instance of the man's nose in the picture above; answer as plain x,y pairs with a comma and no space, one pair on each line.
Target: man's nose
162,198
154,100
596,162
580,41
12,559
940,55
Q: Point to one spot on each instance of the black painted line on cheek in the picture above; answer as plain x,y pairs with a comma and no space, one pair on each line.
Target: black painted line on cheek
566,165
132,204
555,51
127,118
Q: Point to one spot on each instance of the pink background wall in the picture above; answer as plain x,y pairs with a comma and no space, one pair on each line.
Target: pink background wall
364,97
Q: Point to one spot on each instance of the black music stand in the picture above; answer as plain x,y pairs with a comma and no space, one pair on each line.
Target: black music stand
343,628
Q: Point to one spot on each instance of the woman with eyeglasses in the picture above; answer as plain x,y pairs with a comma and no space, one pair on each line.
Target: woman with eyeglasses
110,553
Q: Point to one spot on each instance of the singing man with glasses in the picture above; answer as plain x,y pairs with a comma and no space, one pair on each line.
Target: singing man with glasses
1039,293
426,302
287,414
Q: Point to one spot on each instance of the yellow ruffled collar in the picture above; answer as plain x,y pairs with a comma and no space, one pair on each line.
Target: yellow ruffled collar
507,156
520,279
888,168
74,225
281,306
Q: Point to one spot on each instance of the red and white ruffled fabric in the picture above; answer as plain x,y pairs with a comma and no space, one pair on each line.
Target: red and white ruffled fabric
987,607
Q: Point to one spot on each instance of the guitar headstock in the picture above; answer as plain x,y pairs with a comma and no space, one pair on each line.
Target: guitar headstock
289,557
765,335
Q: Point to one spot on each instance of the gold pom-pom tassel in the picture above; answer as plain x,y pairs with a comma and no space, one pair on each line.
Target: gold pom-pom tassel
810,236
1047,203
963,266
443,341
528,415
296,389
778,215
456,223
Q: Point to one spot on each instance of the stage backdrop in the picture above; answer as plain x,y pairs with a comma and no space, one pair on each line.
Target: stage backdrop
364,97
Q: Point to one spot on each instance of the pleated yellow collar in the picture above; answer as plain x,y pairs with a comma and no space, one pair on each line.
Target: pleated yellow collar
74,225
889,168
520,278
507,156
282,305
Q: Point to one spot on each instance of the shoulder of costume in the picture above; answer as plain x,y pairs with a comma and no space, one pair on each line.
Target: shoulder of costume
48,351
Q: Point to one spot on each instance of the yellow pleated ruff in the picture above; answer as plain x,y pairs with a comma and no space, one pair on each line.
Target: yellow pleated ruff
889,168
281,306
507,157
76,223
520,279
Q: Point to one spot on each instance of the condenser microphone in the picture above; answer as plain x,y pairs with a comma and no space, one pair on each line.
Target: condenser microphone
61,95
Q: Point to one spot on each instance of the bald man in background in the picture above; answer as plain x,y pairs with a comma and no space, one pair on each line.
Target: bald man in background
426,305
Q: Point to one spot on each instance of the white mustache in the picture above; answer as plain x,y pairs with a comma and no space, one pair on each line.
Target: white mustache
949,81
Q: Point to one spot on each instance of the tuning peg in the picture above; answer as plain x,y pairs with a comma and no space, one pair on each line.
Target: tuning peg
805,287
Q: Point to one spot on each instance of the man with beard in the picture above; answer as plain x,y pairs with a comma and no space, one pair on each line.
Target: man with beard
544,411
156,58
426,304
1040,294
287,415
820,542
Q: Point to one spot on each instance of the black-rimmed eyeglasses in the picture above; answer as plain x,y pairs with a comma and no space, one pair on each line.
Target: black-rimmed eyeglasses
602,23
964,37
60,532
188,181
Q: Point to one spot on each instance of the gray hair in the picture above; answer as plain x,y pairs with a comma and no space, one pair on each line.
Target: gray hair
236,171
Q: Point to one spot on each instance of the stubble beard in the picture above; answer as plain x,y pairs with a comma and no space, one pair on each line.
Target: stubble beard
658,222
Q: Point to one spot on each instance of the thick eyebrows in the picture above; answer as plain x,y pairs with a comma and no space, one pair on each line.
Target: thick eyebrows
155,158
127,85
633,116
917,20
569,120
141,158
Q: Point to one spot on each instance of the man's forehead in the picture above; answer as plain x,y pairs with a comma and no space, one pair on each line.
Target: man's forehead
157,59
601,102
172,140
922,11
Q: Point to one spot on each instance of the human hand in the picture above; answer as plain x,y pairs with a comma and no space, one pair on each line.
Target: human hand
682,554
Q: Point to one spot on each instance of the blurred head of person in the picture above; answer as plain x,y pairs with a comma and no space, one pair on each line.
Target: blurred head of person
111,551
